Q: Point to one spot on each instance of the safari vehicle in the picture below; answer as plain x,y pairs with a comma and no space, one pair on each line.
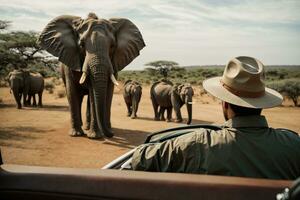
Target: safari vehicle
116,180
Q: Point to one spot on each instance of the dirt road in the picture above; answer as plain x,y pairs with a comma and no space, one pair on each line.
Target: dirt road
39,136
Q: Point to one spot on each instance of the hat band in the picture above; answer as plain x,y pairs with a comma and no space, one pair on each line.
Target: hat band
242,93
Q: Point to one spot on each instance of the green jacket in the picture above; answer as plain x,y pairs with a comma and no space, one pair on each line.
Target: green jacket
246,147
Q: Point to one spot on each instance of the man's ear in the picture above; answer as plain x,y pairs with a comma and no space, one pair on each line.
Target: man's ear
225,104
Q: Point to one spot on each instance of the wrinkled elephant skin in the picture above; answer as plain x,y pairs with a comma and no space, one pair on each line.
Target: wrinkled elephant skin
91,51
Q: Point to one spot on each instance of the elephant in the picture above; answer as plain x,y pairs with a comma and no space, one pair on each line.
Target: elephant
132,95
91,52
26,84
165,96
19,83
36,87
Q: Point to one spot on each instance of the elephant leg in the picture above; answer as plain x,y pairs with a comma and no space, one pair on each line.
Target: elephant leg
29,100
88,114
18,99
155,109
74,99
34,100
129,111
94,131
135,107
162,113
24,99
178,114
40,104
169,114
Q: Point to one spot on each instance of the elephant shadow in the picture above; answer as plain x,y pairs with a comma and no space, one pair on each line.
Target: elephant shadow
14,133
194,121
127,138
63,108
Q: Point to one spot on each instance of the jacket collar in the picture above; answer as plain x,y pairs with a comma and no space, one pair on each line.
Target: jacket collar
247,121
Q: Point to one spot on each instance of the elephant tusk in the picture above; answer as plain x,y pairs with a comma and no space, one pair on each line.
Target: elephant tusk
113,79
191,102
83,77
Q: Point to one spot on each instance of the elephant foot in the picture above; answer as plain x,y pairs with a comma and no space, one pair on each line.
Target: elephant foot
133,117
168,120
92,134
40,105
19,107
128,114
178,120
162,119
156,118
87,126
76,132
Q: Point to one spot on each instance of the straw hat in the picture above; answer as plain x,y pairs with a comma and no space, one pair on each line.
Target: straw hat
243,84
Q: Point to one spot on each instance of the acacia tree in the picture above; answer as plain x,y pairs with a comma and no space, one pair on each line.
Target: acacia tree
162,66
20,50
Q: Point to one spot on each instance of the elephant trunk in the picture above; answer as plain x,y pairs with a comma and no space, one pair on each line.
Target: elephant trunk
99,87
189,109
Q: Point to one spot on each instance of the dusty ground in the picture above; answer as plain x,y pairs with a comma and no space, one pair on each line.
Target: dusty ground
39,136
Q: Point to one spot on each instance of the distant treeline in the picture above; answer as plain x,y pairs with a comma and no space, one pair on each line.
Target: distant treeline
284,79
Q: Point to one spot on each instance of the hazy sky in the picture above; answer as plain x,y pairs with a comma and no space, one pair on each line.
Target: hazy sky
190,32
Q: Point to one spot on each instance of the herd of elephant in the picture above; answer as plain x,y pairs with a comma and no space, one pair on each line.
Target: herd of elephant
27,85
164,96
91,52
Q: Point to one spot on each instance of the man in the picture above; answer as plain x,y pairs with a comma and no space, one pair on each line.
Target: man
245,146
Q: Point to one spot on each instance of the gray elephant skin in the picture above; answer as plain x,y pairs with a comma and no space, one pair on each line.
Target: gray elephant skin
23,83
36,88
165,96
91,51
132,95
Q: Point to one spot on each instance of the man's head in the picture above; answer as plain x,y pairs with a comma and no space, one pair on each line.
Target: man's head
242,88
231,110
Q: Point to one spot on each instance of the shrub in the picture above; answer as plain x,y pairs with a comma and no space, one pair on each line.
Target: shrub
289,88
49,86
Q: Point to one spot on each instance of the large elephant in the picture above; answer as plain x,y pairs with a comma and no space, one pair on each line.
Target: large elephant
36,87
91,51
19,83
164,95
132,95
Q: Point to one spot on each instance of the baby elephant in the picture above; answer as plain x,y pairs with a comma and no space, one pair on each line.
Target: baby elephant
132,95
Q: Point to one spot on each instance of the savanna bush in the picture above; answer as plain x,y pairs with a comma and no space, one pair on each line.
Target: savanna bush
49,86
289,88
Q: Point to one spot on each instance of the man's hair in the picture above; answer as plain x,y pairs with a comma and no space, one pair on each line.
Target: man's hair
244,111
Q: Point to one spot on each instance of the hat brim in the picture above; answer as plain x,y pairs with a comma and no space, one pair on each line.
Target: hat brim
270,99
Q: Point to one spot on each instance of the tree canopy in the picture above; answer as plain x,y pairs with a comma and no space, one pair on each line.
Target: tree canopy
18,49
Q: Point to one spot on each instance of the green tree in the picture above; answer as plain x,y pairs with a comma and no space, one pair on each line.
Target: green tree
289,88
20,50
162,66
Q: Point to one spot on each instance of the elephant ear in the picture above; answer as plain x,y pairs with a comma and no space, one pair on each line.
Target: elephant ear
129,42
60,39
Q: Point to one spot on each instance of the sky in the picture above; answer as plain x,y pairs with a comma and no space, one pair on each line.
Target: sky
189,32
